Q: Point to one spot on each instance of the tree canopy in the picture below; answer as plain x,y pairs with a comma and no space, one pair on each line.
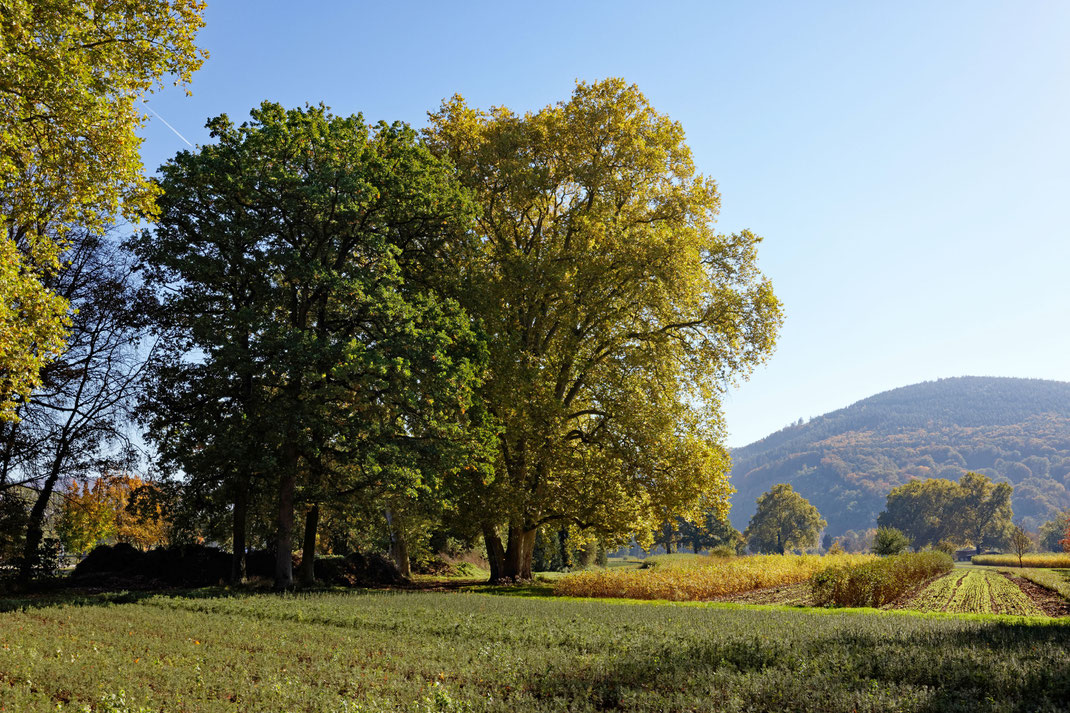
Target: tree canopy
71,74
973,511
784,520
616,314
298,250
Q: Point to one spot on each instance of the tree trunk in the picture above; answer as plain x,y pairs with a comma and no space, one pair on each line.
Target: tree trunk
241,517
35,527
308,548
562,539
518,553
399,549
284,575
495,553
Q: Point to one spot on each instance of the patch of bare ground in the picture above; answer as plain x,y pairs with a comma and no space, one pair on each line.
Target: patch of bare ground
796,595
1049,602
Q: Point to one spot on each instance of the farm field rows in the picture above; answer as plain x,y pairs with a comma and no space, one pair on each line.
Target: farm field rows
436,652
975,591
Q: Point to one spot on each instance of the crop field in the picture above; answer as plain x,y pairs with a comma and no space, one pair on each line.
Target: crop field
703,578
980,591
1058,560
439,652
1057,580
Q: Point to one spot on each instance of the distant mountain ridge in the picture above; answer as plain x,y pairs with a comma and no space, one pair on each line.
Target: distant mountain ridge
846,461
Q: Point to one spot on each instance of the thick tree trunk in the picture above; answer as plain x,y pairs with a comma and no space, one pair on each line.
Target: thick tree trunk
518,553
399,549
308,550
35,527
495,553
562,541
284,576
240,527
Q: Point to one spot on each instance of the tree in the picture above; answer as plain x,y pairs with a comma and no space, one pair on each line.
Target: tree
299,252
890,541
1065,542
709,531
972,511
981,512
1020,542
76,423
1052,531
71,74
920,509
616,316
784,520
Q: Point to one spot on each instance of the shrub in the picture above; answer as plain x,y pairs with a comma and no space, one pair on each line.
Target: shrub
879,582
890,541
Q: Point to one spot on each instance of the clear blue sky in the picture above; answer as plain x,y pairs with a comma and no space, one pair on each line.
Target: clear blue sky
908,163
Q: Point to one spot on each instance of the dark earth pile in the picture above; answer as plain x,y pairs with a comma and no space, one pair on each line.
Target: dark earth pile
124,566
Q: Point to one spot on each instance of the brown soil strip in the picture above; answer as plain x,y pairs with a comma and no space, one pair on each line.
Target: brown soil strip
1049,602
798,595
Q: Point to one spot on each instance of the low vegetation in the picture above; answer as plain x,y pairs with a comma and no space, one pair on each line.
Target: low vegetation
1057,580
703,578
1057,560
975,591
878,582
442,653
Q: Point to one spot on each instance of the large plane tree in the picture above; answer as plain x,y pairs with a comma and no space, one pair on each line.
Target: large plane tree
616,315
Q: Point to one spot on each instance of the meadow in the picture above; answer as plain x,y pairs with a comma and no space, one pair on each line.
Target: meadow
702,578
436,652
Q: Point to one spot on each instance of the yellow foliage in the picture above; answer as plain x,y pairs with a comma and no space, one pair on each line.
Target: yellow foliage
703,578
96,512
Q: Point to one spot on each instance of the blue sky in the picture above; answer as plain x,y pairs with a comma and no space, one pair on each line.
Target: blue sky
908,163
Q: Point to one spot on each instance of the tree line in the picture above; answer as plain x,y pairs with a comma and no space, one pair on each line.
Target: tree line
501,323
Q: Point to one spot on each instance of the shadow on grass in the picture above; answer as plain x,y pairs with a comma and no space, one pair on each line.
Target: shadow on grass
934,669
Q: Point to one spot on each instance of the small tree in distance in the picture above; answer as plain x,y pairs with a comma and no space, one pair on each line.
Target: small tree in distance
1020,542
890,541
1065,542
784,520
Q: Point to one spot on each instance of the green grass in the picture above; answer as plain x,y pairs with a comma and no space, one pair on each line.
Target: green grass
976,591
1057,580
426,652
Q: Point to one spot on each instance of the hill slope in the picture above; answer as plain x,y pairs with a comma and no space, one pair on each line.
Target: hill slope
845,462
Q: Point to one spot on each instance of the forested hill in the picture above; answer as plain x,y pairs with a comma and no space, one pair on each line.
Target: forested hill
845,462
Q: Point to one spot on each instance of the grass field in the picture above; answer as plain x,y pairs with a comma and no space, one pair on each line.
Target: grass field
980,591
701,578
1057,580
435,652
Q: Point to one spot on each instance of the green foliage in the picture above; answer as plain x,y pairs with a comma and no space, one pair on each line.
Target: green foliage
974,511
890,541
320,359
877,583
845,462
1054,530
975,592
784,520
383,652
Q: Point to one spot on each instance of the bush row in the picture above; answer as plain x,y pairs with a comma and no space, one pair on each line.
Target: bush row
879,582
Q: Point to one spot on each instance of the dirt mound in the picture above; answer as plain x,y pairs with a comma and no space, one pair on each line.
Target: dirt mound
357,570
124,566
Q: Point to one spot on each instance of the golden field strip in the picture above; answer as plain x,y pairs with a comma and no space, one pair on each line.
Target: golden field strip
703,578
1056,560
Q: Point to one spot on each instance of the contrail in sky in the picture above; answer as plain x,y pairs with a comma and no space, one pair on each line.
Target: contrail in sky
169,126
